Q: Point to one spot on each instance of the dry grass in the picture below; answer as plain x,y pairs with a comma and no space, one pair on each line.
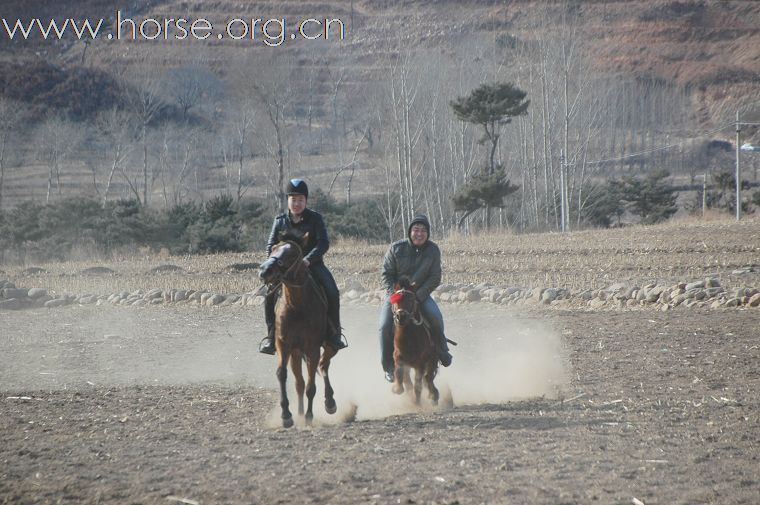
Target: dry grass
677,251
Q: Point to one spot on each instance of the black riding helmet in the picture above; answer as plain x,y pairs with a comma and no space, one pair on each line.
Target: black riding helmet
297,187
418,219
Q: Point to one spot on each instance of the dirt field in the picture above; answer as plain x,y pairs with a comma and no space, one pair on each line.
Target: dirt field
173,405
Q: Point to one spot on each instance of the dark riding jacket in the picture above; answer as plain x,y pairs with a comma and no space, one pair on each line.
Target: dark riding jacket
312,223
422,265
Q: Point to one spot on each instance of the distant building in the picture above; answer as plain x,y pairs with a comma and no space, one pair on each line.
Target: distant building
750,147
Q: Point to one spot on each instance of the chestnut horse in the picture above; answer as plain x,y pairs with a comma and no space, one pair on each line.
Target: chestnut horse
300,325
413,343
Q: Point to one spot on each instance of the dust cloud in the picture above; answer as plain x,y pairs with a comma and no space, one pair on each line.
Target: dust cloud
500,357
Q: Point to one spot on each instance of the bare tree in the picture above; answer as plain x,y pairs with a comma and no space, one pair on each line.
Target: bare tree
11,116
117,130
58,138
146,101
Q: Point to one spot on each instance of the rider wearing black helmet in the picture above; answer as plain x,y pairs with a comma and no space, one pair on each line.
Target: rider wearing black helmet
305,220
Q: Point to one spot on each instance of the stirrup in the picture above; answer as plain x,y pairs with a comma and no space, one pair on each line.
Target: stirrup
266,346
389,376
340,343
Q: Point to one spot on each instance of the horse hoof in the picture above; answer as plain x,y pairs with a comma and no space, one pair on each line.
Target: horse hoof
308,420
330,406
287,423
397,389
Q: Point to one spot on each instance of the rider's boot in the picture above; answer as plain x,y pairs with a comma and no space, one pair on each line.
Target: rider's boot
266,346
336,340
444,356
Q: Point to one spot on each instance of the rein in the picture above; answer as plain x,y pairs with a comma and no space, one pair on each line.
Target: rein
294,265
271,288
416,315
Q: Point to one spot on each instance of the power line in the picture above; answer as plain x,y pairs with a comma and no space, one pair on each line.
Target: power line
660,148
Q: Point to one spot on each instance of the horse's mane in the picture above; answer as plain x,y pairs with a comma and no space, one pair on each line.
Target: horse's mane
404,282
293,236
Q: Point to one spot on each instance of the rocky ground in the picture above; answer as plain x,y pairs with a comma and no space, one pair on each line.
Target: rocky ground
171,404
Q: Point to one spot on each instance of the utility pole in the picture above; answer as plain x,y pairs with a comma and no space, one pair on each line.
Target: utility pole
562,188
738,173
704,194
738,169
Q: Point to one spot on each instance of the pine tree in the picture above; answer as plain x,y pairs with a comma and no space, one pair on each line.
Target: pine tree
490,106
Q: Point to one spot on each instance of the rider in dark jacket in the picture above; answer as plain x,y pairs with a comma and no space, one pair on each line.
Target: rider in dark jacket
305,220
418,258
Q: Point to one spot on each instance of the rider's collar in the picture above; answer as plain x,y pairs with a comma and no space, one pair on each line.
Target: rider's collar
300,218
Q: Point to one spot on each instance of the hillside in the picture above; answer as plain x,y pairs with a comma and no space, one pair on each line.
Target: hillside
710,48
373,106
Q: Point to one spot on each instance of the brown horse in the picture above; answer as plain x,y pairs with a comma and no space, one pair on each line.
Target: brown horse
413,343
300,325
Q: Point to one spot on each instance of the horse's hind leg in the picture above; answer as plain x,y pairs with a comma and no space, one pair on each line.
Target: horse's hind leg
324,368
282,375
430,373
295,366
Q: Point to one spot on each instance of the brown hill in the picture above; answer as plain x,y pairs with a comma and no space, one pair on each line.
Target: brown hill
709,47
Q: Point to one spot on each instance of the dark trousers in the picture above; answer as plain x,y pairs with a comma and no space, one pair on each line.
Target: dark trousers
324,278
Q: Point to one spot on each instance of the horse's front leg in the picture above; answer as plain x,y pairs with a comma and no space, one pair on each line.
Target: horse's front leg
311,388
398,376
417,385
295,366
282,376
324,368
430,373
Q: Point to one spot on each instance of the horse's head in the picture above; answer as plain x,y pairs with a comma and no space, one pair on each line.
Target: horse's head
404,301
285,258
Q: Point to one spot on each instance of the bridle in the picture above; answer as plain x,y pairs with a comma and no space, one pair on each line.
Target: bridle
291,269
416,316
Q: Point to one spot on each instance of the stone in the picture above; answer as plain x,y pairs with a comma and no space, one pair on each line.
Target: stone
35,293
153,294
352,294
56,302
596,303
732,302
14,293
712,282
179,295
754,300
472,295
214,300
586,295
714,291
549,295
695,285
653,294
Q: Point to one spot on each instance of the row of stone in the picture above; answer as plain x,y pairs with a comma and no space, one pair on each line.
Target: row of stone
703,293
